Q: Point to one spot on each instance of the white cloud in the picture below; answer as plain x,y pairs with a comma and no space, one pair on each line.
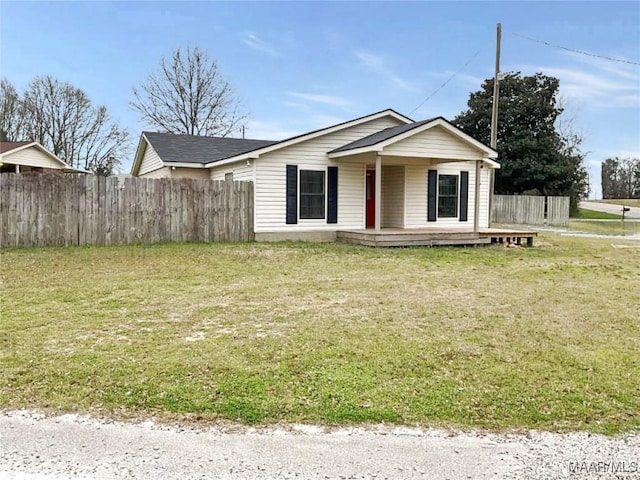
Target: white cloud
595,82
377,64
253,41
331,100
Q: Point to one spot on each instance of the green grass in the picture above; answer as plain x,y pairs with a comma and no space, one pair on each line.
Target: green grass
494,338
584,213
605,227
629,202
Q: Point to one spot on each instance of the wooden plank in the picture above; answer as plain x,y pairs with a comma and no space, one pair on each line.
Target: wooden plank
4,210
12,208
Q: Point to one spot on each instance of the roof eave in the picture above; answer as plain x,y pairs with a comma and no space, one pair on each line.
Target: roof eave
491,163
355,151
184,165
137,159
21,147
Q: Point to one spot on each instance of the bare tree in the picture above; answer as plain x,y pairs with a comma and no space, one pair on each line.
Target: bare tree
621,178
187,95
62,118
11,113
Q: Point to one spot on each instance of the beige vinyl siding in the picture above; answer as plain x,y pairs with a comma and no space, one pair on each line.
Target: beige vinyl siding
184,172
393,196
241,171
434,143
150,162
178,172
483,217
164,172
416,195
270,183
31,157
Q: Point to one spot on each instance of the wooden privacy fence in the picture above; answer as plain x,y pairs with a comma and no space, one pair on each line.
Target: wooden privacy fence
50,210
530,210
558,211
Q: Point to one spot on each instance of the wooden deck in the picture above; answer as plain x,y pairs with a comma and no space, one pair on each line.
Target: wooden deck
431,237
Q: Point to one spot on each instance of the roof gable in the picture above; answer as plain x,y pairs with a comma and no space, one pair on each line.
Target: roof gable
6,147
14,152
379,137
385,138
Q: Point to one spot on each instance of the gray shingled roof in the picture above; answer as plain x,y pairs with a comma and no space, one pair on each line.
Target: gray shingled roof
381,136
195,149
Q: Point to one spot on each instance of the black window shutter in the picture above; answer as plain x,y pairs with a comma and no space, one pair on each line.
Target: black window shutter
432,195
292,194
464,196
332,195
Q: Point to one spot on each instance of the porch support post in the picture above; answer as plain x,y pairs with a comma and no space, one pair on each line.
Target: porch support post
476,200
378,192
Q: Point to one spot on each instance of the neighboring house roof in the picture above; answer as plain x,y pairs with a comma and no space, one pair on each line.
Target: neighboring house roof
8,146
194,149
229,150
8,151
389,136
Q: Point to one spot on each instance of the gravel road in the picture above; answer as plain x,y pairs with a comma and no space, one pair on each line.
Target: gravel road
35,447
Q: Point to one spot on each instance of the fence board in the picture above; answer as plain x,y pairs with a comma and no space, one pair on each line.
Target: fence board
558,211
43,210
530,210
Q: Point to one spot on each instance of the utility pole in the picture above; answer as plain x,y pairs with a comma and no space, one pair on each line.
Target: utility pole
496,91
494,115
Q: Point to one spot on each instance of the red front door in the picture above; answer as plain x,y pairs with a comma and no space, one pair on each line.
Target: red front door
371,198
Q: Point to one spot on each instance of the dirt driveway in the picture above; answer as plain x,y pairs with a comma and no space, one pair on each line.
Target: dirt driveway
72,447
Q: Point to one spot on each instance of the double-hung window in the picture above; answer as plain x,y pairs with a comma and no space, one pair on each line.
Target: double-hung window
447,196
312,194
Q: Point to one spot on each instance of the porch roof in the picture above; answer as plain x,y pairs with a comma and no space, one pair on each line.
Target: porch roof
380,136
379,140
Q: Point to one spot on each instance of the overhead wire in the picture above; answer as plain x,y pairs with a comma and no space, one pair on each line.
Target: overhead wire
446,82
543,42
581,52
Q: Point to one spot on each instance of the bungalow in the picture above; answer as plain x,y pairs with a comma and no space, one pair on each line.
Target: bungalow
31,157
381,173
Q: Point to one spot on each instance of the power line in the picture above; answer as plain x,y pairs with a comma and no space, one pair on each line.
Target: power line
445,83
604,57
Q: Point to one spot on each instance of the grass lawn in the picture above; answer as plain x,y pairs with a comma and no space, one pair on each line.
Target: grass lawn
584,213
605,227
494,337
629,202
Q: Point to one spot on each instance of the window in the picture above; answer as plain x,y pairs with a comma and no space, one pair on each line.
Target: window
228,177
447,196
312,194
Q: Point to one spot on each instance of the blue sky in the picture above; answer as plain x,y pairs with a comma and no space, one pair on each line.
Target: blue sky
298,66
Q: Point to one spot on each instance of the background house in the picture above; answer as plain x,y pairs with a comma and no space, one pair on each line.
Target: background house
31,157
